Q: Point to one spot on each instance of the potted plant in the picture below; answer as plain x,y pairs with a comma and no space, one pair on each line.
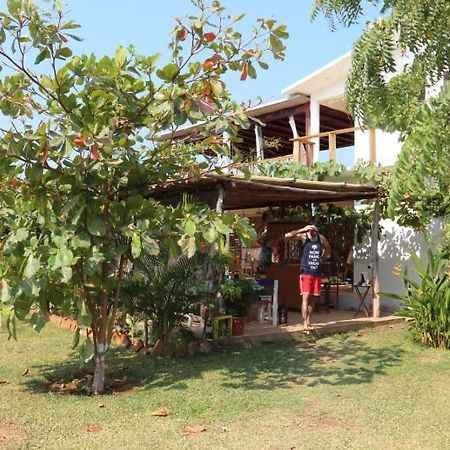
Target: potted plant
238,295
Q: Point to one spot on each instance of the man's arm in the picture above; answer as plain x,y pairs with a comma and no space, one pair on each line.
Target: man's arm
298,234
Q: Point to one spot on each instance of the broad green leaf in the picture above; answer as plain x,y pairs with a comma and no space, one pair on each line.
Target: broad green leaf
190,227
121,56
168,72
32,266
210,235
136,245
95,225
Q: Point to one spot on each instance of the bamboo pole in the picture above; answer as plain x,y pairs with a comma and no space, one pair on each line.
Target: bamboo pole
293,182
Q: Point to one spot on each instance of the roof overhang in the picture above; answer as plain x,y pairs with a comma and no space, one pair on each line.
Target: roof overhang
254,112
258,191
321,78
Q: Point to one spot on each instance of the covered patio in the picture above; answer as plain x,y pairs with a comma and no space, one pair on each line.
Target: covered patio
240,194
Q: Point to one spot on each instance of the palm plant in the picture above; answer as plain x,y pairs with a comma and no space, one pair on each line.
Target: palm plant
427,299
163,289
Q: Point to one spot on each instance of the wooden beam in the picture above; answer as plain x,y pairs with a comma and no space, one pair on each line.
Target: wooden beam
332,146
284,113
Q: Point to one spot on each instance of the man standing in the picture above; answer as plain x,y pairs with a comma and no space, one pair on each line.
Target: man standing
315,249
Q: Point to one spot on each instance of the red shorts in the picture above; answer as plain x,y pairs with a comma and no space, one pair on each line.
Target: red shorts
310,284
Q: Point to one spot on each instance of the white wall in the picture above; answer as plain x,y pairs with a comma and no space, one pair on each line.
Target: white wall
387,147
395,248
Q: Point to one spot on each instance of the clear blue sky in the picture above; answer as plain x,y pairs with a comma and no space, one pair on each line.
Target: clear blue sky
107,24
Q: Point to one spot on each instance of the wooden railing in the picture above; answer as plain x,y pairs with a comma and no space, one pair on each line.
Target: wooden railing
308,144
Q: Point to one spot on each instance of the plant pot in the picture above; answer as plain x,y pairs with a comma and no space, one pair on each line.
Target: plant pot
239,325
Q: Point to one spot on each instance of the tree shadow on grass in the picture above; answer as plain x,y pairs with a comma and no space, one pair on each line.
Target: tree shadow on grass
342,360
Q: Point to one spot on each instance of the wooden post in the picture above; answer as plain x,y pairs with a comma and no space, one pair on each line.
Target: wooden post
372,146
296,155
332,146
375,260
275,304
259,142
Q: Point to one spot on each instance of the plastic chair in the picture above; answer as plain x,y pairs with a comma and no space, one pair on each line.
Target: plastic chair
268,301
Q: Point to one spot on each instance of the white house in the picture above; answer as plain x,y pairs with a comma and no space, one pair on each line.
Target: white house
312,124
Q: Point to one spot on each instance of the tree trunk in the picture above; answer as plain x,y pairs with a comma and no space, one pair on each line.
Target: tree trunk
98,385
146,332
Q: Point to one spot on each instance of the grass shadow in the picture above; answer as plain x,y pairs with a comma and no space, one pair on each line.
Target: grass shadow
341,360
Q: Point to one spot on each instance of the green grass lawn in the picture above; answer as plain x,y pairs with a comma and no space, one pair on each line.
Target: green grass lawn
370,389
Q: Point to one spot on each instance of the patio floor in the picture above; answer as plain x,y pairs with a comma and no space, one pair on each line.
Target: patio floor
335,321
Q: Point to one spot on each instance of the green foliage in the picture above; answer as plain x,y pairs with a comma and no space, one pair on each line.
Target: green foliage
238,295
427,300
420,188
383,94
290,169
163,289
381,177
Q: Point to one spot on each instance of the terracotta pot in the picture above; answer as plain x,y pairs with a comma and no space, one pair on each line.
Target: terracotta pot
239,325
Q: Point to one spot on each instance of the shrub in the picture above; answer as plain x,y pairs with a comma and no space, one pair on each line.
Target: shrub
163,290
238,295
427,300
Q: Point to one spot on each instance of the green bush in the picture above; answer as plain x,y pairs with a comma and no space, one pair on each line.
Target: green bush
427,300
163,290
238,295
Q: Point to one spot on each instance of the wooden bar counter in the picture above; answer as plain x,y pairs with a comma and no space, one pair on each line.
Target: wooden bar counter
288,277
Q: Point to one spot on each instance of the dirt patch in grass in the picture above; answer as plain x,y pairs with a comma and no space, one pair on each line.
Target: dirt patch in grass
320,422
10,434
313,420
83,386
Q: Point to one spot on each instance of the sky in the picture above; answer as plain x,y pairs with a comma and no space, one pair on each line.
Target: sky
107,24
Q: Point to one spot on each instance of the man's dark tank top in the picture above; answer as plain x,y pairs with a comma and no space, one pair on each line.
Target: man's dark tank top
310,260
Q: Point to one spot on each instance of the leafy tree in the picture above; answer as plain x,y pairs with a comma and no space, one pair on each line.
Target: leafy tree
81,155
382,94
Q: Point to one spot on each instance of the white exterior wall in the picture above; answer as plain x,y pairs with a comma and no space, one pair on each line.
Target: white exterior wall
387,147
395,247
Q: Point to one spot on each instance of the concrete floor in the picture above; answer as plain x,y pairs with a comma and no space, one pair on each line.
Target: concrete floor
335,321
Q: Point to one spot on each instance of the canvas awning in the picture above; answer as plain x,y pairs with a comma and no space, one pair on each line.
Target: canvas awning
259,191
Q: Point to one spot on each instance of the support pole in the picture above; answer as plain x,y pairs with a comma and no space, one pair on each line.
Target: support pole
296,153
275,304
375,260
332,146
259,142
372,146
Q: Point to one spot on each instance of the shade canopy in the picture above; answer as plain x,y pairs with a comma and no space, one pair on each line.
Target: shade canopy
239,192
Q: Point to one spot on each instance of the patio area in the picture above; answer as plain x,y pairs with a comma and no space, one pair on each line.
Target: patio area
323,322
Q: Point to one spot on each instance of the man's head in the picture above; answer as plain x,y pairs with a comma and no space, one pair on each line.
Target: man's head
312,231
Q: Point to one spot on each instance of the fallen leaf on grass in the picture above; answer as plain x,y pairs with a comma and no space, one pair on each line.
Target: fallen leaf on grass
161,412
194,430
25,372
94,428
